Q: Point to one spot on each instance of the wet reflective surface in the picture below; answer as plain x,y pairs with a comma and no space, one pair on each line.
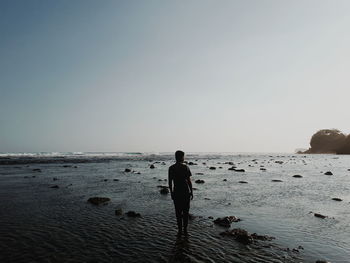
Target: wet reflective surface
39,223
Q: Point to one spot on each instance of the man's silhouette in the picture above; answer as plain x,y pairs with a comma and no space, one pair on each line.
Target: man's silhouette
180,174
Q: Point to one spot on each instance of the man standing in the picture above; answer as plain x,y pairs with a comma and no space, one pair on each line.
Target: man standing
182,193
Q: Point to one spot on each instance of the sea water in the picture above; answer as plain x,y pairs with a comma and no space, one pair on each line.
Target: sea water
43,224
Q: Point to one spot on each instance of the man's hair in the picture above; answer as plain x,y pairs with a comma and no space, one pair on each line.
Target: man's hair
179,155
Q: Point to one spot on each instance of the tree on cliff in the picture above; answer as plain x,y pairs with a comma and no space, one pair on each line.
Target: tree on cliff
327,141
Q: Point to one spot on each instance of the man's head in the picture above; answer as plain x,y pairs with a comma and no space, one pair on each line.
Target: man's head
179,156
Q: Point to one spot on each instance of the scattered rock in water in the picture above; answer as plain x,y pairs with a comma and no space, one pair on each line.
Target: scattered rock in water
191,217
199,173
137,173
279,162
98,200
242,182
127,170
276,180
133,214
244,237
118,212
25,176
164,191
66,166
337,199
229,163
239,170
319,215
55,186
328,173
322,261
262,169
55,179
199,181
191,163
152,166
206,198
37,170
212,167
33,176
210,217
225,180
75,166
226,221
232,168
105,180
297,176
115,180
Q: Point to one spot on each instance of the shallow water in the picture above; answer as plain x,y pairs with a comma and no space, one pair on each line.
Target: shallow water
39,223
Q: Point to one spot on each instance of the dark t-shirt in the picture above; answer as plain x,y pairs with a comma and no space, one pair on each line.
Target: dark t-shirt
179,173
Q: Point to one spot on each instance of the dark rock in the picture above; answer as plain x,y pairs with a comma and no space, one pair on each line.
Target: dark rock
243,182
320,215
164,191
297,176
210,217
337,199
118,212
191,217
225,180
226,221
199,173
328,173
133,214
239,170
127,170
66,166
98,200
263,169
276,180
191,163
152,166
55,186
105,180
37,170
116,180
206,198
212,167
240,235
199,181
244,237
322,261
54,179
262,237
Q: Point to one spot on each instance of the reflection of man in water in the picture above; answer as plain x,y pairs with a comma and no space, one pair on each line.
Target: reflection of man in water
182,191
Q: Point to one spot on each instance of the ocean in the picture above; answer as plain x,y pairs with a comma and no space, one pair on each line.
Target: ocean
45,216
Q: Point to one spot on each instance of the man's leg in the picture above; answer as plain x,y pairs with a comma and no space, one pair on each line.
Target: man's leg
178,212
186,214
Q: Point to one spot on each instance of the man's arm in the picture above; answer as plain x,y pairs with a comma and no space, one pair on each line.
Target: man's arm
189,182
170,181
190,185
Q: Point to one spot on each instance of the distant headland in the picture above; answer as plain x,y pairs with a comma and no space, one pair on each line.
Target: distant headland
329,141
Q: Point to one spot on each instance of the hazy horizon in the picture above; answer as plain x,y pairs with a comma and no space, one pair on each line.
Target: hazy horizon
157,76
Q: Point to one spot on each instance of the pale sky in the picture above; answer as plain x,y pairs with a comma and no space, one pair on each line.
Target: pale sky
157,76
